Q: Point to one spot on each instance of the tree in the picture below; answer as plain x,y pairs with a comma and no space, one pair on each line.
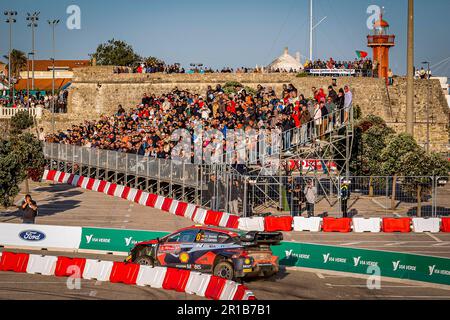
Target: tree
21,121
395,156
116,53
18,62
21,157
420,169
153,62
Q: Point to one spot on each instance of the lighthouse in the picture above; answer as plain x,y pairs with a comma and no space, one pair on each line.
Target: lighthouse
380,42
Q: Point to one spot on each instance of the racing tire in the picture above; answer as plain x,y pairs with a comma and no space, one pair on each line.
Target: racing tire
145,261
224,270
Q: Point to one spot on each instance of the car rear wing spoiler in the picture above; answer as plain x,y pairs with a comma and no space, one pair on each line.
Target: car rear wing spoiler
256,238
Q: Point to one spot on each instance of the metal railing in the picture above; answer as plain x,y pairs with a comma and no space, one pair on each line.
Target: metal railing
8,113
369,196
169,171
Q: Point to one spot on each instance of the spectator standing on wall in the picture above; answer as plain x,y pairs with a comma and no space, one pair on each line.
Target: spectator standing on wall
310,195
348,101
29,208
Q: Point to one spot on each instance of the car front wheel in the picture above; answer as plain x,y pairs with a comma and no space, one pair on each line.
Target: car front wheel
224,270
145,261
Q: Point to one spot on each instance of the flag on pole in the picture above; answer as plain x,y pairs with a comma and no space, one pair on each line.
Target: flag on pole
361,54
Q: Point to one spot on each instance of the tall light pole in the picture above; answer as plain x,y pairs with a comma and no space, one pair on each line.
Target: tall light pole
10,20
28,75
33,19
53,24
311,29
410,73
428,105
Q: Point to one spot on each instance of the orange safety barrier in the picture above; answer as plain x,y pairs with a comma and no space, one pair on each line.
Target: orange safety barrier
80,181
397,225
122,272
278,223
166,204
112,189
215,287
233,222
90,184
151,200
213,218
101,186
445,227
337,225
125,192
138,195
66,267
176,279
181,209
51,175
16,262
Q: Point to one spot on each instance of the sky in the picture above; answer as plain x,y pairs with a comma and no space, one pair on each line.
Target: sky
231,33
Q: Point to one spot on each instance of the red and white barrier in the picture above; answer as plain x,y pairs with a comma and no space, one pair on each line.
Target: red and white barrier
432,225
227,220
180,280
313,224
251,224
366,225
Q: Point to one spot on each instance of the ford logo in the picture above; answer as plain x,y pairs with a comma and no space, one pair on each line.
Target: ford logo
32,235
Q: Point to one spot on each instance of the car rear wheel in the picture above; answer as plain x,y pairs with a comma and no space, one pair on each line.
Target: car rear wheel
224,270
145,261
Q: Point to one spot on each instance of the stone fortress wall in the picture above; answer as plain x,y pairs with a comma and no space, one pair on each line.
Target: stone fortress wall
97,90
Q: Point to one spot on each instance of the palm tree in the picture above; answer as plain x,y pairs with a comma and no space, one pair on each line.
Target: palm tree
18,61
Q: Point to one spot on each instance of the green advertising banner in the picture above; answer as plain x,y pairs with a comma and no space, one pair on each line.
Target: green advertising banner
361,261
115,240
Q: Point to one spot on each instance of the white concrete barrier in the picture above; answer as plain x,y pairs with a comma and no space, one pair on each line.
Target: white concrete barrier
97,270
173,206
229,290
200,216
251,224
159,202
367,225
312,224
197,283
426,225
149,276
190,211
44,265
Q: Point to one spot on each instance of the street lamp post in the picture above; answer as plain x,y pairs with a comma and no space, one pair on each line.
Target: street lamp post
53,24
10,20
33,19
28,76
428,105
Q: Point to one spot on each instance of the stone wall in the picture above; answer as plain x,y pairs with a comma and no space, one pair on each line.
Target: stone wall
96,91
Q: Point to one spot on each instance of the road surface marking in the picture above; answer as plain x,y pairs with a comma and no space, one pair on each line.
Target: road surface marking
320,276
433,237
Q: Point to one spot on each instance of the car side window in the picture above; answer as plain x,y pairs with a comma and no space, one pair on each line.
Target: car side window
207,236
188,236
173,238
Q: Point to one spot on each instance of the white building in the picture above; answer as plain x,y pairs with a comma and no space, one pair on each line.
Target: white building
286,63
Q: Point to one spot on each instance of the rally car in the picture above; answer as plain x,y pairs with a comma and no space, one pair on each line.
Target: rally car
226,253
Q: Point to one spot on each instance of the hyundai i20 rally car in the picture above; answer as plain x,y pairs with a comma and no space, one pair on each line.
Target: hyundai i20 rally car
226,253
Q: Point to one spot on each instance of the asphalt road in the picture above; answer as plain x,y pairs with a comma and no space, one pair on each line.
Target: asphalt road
287,285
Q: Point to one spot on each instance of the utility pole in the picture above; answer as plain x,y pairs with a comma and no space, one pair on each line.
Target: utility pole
410,71
53,24
10,20
33,18
311,30
428,104
28,76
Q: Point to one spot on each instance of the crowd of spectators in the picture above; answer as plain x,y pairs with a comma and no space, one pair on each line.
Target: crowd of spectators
39,98
361,64
146,129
